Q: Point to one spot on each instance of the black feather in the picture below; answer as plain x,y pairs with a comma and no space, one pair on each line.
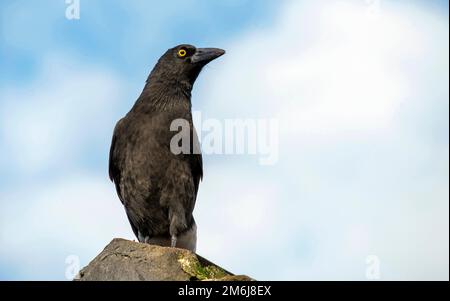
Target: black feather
157,187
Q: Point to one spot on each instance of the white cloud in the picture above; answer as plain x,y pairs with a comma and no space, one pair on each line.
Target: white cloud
335,68
56,207
358,174
78,214
48,122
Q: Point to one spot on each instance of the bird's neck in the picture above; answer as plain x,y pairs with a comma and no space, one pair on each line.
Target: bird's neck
160,95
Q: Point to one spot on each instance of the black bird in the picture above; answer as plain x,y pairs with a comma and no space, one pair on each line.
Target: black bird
157,187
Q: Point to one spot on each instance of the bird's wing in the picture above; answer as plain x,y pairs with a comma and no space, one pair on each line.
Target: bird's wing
196,162
114,170
180,186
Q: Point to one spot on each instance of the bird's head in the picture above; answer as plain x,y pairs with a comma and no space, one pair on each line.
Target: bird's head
183,63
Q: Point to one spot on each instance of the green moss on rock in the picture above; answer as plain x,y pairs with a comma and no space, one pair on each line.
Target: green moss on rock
191,265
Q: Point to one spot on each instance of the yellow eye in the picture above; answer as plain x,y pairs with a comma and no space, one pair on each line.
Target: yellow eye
182,53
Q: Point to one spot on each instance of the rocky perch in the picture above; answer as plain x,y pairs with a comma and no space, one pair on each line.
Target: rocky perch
128,260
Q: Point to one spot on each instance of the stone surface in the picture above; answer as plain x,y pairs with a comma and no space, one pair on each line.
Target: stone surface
128,260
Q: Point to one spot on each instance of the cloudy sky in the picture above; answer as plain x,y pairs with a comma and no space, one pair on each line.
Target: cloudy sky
359,89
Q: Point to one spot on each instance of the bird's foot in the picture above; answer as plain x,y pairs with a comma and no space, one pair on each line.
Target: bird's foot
173,241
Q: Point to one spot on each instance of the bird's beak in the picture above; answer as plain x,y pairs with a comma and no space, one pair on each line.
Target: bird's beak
206,55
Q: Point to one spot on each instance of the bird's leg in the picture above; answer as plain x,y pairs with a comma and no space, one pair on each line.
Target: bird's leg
173,241
177,222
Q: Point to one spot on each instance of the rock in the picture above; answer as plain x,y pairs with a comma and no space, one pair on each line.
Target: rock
128,260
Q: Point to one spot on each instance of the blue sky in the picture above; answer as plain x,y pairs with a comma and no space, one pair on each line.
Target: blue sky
360,91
